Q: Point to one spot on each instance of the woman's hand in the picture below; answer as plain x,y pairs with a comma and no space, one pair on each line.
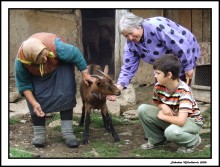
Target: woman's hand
36,106
189,74
112,97
37,110
86,77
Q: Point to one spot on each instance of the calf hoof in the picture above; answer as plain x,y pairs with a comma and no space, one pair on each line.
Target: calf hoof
108,129
117,139
85,141
38,145
80,125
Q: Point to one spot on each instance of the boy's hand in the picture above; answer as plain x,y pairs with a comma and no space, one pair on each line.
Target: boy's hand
161,115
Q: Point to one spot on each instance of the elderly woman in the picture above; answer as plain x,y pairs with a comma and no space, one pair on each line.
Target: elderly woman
151,38
45,77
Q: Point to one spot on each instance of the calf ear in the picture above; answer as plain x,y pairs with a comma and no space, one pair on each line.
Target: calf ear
106,70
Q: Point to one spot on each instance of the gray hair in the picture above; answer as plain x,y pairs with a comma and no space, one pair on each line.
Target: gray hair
129,21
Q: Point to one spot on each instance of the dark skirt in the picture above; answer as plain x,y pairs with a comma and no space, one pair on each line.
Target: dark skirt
56,91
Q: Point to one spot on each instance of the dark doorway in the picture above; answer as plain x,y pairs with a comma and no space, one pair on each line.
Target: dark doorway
98,31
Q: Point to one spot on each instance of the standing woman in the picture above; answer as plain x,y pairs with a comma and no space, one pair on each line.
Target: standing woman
151,38
45,77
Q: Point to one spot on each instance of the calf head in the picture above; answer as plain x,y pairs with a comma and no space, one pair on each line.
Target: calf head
105,83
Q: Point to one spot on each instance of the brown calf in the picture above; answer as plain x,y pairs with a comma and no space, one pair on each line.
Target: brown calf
94,97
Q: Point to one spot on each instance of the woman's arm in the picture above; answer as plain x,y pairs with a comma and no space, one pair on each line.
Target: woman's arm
22,78
70,54
36,106
129,68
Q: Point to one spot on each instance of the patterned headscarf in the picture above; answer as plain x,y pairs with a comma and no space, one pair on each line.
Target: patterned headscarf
31,49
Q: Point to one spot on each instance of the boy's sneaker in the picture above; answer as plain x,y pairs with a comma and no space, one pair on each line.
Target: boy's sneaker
189,149
148,145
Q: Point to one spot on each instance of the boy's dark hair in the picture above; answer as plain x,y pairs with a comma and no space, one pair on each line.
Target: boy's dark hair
168,63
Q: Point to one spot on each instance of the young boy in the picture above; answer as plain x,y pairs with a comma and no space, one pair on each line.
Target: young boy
177,117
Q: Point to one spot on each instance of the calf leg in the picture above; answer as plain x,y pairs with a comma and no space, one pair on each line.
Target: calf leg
82,116
114,133
86,132
106,125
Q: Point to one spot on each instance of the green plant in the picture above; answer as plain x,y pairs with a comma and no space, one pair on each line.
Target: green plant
13,121
18,153
56,116
103,149
97,121
207,118
165,152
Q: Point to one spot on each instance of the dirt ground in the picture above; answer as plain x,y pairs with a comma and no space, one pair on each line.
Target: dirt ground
21,135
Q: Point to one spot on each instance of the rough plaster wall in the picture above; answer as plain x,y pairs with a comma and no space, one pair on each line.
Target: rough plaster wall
24,23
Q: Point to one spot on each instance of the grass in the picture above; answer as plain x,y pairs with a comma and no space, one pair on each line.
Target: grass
55,116
13,121
19,153
103,149
162,152
100,148
207,117
97,122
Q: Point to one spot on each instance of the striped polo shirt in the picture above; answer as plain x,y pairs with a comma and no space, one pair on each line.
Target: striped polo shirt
181,98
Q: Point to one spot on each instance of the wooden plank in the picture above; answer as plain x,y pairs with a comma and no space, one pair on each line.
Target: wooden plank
168,13
197,24
185,18
176,16
147,12
206,25
119,43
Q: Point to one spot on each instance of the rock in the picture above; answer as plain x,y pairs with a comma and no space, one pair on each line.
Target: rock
57,123
127,98
204,131
18,108
131,114
78,108
14,96
126,134
114,107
